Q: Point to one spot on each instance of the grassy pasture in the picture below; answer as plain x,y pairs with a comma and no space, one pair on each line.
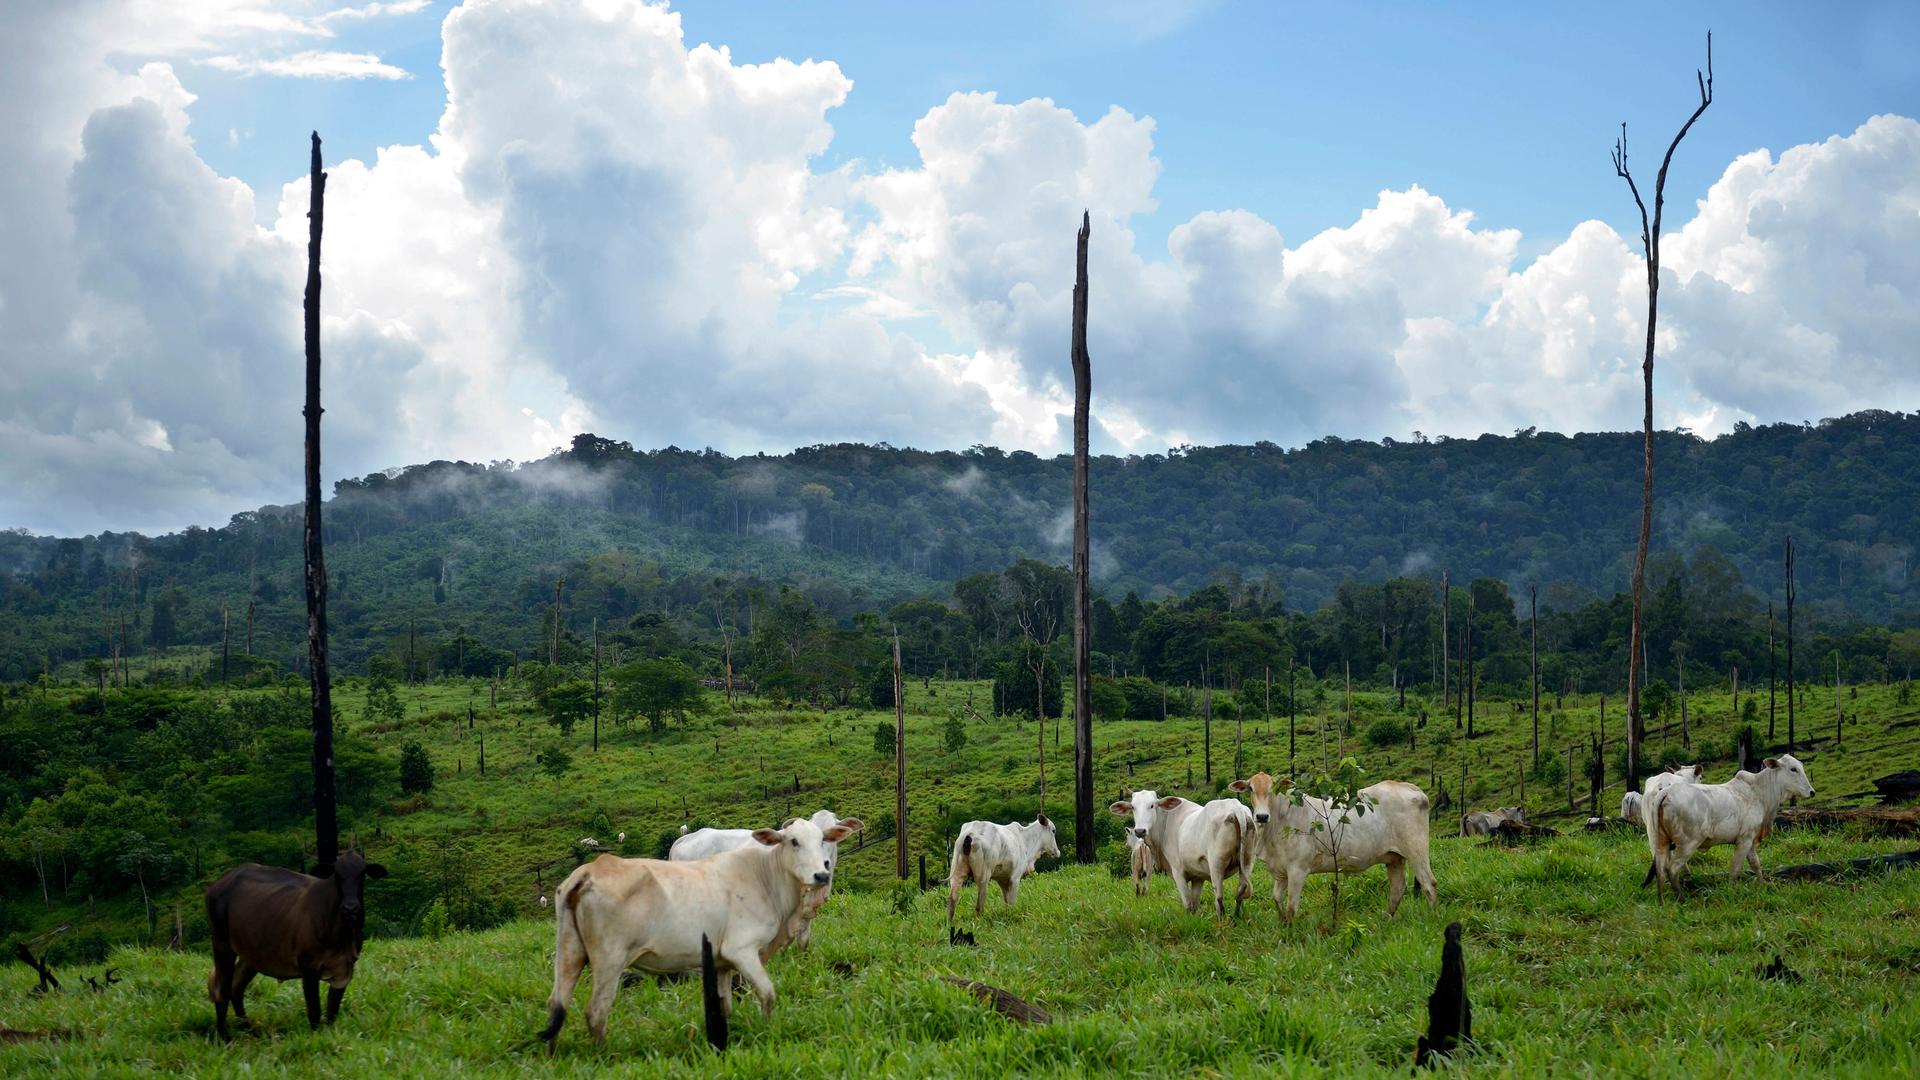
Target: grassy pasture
1572,967
1572,970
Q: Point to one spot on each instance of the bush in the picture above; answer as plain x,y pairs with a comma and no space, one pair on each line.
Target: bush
1551,770
1118,859
416,770
435,922
1387,731
953,735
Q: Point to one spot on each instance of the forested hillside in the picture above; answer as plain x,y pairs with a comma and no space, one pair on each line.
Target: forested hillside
451,544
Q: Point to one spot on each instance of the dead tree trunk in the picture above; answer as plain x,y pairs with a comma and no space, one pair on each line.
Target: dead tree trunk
1533,623
249,628
226,639
1083,846
900,767
1770,675
1790,591
1650,246
1446,670
325,822
596,684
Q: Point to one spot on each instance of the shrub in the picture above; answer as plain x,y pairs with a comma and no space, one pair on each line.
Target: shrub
1386,731
416,770
953,735
435,922
883,738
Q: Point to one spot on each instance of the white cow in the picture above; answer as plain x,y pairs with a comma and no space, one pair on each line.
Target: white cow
986,851
1195,843
1683,818
1392,830
706,843
615,913
1689,774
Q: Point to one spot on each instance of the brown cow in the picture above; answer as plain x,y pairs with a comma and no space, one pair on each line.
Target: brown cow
269,921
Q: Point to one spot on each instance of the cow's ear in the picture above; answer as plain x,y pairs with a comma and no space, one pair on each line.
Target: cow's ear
1121,808
376,870
1672,769
846,828
852,824
788,822
1171,802
1043,822
321,871
1773,763
1284,782
1239,785
769,837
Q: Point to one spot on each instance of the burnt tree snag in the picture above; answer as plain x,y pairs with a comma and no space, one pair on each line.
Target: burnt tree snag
326,823
1082,585
900,767
1650,246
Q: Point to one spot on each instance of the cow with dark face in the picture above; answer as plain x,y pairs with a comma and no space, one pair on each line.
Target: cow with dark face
265,920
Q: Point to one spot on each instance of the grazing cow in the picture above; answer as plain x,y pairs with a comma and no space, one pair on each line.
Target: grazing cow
1393,830
1683,818
1688,775
1484,822
1630,807
1195,843
615,913
703,843
1141,850
265,920
1001,853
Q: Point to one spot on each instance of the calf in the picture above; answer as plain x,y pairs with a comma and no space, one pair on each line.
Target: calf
1001,853
1683,818
1141,850
265,920
1195,843
1298,835
704,843
615,913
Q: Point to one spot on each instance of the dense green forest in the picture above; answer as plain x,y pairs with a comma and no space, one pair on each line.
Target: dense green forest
861,528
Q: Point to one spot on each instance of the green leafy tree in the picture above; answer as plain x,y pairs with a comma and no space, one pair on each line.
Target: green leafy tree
656,689
1109,701
555,760
883,738
383,700
416,769
569,703
953,734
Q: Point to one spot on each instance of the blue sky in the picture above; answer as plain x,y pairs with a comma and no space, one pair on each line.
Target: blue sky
1360,220
1298,112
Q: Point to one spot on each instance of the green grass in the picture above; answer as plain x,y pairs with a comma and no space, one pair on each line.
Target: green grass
1571,967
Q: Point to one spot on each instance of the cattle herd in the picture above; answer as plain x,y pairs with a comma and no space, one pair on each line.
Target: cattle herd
751,892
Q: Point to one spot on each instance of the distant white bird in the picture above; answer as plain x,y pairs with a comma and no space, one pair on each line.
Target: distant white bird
683,828
622,838
543,899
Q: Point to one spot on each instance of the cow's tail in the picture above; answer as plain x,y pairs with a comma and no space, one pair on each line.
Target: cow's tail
1660,838
569,951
